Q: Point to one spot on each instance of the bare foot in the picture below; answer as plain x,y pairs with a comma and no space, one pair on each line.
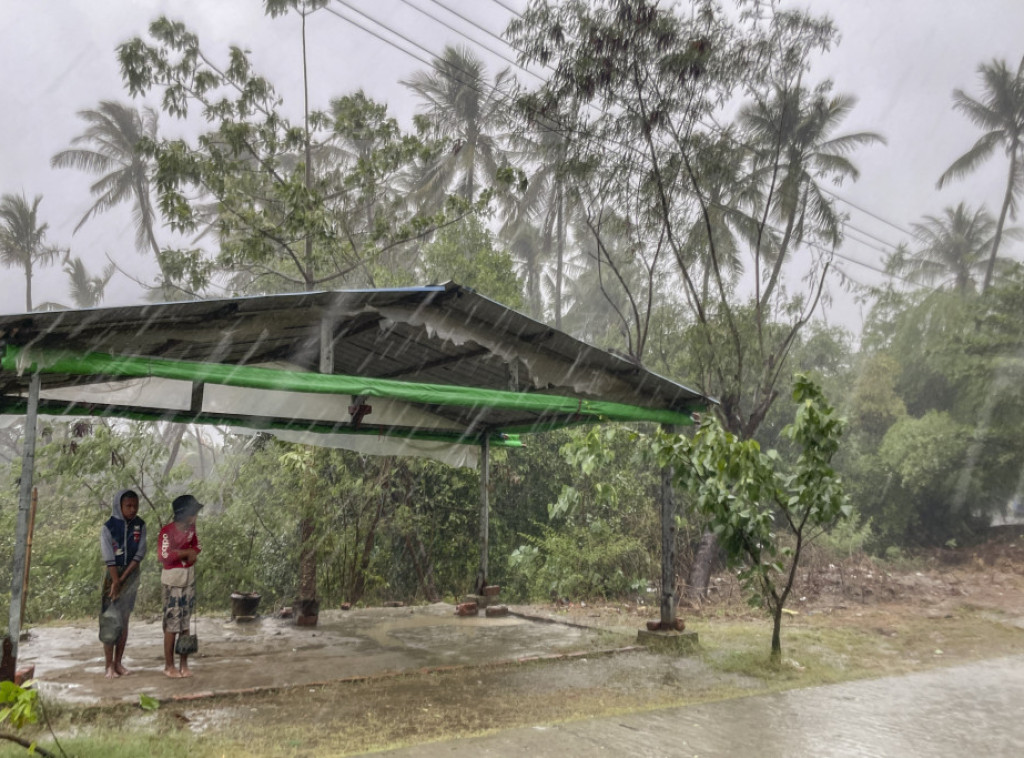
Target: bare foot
121,670
111,673
172,672
185,673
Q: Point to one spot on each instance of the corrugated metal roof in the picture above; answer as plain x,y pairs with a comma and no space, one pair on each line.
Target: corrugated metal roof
443,334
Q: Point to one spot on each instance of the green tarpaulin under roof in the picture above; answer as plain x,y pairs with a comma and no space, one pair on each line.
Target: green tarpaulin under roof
423,371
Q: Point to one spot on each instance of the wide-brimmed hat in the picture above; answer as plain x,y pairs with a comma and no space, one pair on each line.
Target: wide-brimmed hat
185,506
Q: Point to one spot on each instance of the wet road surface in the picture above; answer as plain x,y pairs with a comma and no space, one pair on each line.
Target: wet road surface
972,711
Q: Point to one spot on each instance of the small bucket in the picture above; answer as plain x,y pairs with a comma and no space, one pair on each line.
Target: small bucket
244,605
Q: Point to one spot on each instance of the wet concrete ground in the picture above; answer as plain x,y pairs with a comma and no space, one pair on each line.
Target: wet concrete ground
270,652
968,710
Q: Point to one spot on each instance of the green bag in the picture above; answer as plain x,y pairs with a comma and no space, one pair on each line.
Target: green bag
111,625
187,643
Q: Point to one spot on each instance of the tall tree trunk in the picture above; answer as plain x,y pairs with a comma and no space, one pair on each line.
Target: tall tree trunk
307,560
359,575
560,261
177,431
28,284
700,571
997,238
776,655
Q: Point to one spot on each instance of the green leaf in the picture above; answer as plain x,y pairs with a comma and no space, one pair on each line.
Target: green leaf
148,703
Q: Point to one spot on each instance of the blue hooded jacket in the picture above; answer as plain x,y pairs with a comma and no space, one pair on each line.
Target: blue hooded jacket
122,541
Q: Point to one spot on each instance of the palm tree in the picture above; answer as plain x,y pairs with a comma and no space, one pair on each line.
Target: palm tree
1000,113
465,112
794,149
109,146
537,223
22,239
86,290
954,248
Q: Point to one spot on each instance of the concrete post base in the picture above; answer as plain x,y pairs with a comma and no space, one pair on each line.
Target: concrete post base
675,642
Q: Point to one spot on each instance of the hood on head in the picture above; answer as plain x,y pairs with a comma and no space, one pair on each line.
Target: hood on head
116,511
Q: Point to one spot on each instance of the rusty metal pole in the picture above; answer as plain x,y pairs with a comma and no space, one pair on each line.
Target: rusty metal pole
668,544
28,459
28,551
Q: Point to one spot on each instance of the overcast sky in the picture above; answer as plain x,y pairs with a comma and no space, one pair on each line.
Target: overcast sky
901,58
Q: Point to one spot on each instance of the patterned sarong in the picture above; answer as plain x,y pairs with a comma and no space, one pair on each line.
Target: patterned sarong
179,604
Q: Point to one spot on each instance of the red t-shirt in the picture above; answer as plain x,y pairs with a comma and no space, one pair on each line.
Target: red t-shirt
172,539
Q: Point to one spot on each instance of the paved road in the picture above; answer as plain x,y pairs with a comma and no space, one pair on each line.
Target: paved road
969,711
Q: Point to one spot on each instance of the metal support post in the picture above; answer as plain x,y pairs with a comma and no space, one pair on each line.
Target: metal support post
668,543
485,481
28,459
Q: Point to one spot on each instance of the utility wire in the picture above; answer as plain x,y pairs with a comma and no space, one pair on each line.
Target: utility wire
509,8
356,24
475,41
488,32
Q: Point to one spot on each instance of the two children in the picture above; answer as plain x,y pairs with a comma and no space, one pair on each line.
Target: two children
123,546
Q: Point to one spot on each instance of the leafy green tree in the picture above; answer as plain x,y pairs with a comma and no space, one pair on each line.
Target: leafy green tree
110,147
999,112
875,406
23,239
271,189
747,494
923,460
341,527
371,159
601,533
643,87
943,450
465,253
637,85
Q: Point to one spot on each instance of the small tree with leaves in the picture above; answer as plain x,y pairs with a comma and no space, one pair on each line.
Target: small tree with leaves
747,495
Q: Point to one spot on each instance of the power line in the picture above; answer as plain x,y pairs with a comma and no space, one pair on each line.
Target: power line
875,216
470,78
462,34
485,30
510,9
378,36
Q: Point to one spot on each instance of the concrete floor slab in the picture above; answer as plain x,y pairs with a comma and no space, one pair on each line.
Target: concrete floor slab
271,653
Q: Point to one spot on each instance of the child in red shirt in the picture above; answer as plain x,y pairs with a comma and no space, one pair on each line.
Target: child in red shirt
177,549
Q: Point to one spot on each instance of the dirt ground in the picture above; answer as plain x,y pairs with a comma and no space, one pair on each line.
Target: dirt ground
988,576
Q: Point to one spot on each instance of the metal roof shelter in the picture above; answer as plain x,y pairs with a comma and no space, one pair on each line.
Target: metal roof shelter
439,371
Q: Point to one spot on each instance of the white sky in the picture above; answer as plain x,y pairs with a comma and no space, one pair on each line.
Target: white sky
902,58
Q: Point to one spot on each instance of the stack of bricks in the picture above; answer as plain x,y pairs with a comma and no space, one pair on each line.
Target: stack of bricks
471,604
